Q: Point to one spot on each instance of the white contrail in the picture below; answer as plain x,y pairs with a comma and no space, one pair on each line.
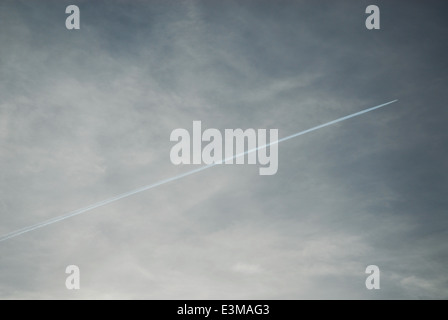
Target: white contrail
183,175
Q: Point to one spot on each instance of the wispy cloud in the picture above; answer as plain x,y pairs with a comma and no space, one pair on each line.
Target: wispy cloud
85,115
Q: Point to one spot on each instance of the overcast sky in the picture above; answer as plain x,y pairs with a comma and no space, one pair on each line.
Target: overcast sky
87,114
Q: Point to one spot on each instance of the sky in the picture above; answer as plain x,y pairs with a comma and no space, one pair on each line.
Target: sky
87,114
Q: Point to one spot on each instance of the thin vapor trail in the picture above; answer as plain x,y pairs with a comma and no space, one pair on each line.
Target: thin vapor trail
183,175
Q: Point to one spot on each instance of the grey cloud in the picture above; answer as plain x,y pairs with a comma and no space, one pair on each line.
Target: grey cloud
85,115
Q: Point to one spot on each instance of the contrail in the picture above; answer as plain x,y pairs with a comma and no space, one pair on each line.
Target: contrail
183,175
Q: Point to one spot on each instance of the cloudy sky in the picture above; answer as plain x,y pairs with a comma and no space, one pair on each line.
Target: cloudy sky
87,114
